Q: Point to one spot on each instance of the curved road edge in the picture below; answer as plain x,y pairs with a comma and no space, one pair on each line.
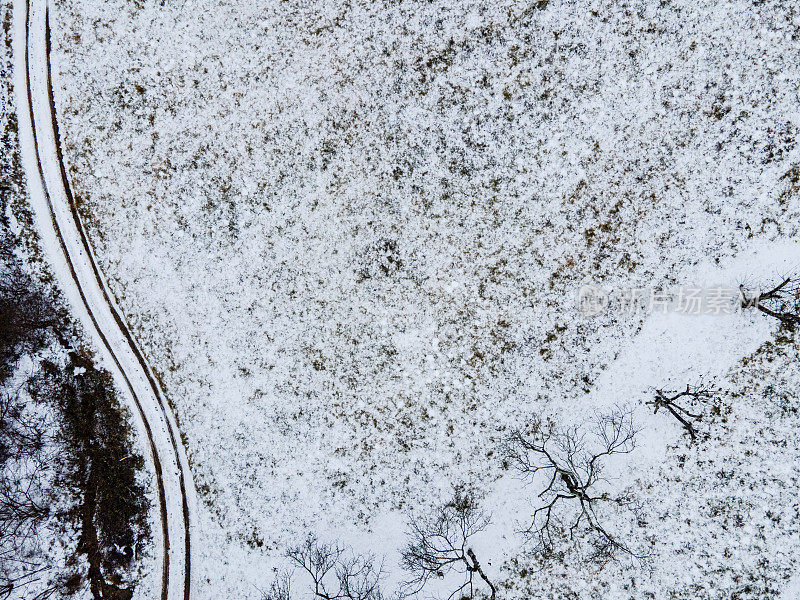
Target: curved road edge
64,241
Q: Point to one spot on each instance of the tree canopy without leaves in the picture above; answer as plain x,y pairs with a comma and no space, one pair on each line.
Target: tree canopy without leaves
439,543
336,572
671,400
781,302
61,418
572,461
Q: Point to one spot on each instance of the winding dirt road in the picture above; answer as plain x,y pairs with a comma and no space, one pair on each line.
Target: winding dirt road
64,240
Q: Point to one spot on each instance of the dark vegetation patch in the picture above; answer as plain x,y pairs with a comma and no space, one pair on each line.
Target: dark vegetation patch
61,416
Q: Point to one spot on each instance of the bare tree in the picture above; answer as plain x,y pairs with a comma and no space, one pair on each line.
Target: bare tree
280,588
28,317
439,543
781,302
336,572
668,399
572,459
25,499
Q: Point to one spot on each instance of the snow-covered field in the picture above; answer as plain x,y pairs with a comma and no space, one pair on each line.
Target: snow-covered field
350,238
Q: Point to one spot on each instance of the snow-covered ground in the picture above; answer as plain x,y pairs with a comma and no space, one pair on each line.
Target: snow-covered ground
70,260
350,237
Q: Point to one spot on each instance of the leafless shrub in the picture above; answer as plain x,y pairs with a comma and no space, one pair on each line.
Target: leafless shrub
781,302
572,459
336,572
669,400
439,543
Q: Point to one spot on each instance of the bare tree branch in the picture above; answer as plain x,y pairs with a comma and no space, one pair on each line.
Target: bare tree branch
439,543
668,399
572,462
24,499
280,588
782,302
336,572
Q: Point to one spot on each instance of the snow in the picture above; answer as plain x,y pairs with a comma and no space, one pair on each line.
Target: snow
87,303
349,239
